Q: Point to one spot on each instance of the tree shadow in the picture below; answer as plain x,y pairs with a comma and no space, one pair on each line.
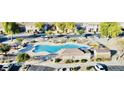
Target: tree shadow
113,52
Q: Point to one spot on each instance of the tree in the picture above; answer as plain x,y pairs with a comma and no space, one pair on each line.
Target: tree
4,48
23,57
70,25
10,28
110,29
61,25
39,25
65,25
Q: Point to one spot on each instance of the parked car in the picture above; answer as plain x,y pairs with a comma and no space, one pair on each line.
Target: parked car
101,67
15,67
7,67
1,67
63,69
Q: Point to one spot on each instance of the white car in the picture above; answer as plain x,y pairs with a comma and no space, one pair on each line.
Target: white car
101,67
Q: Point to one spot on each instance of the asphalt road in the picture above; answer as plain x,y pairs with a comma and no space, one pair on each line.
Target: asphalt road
23,35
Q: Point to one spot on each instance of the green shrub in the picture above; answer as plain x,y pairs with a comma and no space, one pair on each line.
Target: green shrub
19,39
77,61
80,32
58,60
33,41
5,48
89,67
98,59
77,68
84,60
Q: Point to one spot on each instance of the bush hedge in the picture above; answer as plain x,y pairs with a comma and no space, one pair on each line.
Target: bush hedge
84,60
58,60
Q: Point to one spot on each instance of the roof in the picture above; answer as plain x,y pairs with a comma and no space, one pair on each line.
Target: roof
72,52
102,50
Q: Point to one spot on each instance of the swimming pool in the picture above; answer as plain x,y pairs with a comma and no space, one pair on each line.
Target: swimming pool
56,48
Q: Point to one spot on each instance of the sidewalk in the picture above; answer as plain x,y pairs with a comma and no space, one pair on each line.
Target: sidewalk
58,65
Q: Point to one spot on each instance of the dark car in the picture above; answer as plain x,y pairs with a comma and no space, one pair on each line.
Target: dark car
1,67
7,67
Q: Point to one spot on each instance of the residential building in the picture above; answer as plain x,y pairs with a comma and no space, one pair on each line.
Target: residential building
103,53
74,53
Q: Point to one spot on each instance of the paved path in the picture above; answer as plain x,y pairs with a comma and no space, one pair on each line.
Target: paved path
58,65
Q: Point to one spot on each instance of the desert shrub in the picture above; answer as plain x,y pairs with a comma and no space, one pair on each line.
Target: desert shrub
69,61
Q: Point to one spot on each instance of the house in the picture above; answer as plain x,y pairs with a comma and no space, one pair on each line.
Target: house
102,53
29,26
74,53
90,27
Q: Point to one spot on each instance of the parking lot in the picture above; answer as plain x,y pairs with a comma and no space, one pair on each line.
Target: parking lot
15,68
18,67
115,68
40,68
112,68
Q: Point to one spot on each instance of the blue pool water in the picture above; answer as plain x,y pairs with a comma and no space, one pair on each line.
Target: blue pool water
26,49
54,49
